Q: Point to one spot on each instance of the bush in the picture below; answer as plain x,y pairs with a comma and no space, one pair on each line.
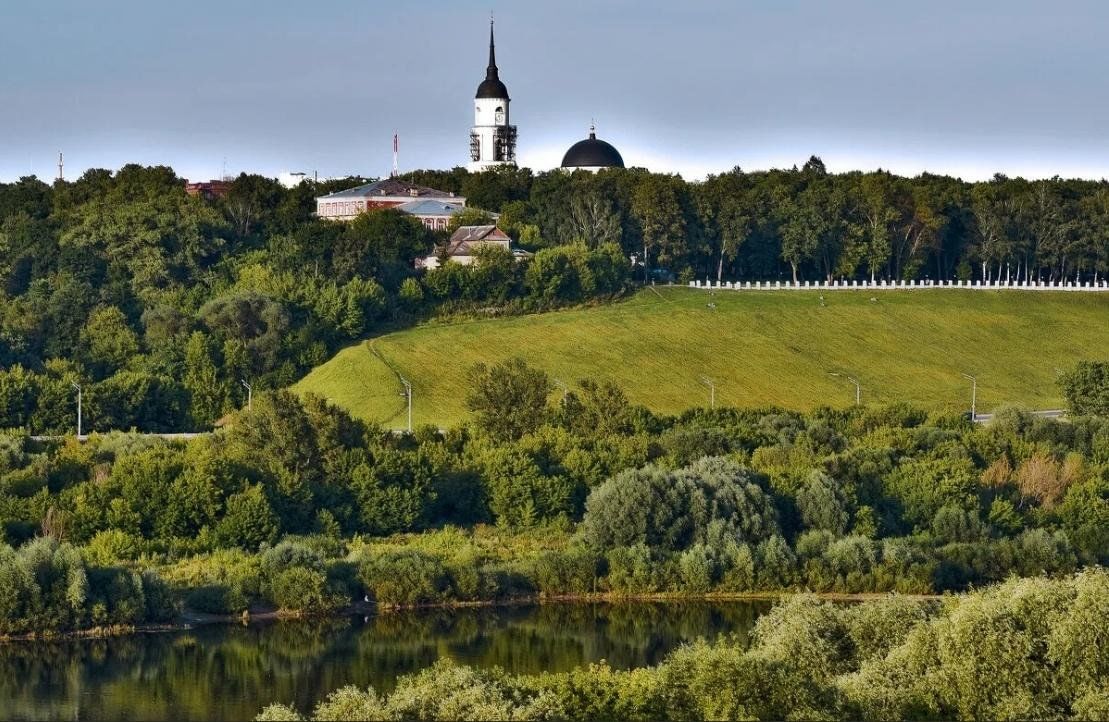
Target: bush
633,570
217,599
299,589
672,510
697,569
823,504
249,520
116,597
112,546
405,578
570,571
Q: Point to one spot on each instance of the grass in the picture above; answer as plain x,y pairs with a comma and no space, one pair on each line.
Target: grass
758,347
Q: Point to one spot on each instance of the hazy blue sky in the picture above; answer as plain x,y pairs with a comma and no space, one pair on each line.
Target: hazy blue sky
958,86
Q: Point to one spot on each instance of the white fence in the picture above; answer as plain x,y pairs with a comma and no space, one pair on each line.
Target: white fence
900,285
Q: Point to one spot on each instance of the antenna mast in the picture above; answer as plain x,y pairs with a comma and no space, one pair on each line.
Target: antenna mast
61,167
396,148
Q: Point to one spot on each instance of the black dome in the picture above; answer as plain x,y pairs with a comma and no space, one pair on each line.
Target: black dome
592,153
492,88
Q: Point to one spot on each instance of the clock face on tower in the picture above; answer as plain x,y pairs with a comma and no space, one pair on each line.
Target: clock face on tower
499,115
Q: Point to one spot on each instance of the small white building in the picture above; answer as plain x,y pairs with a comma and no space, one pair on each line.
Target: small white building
464,243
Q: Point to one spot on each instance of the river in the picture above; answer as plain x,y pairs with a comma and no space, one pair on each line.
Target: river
231,671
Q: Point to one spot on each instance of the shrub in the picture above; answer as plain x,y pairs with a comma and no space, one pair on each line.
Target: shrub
405,578
112,546
776,566
697,569
289,554
160,605
570,571
249,520
823,504
217,599
116,596
670,511
738,569
300,589
632,570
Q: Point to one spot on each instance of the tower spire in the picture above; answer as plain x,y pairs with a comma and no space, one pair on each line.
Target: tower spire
491,71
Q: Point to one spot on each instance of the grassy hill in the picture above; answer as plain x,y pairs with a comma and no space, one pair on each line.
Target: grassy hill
759,348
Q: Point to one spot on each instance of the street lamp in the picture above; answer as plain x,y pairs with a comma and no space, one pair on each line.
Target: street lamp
77,386
712,391
858,389
249,394
973,396
407,393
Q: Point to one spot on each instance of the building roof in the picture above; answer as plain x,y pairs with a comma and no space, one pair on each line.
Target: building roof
390,187
492,87
431,208
592,153
463,240
478,233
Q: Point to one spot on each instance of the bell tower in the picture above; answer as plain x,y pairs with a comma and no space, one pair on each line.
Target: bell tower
492,137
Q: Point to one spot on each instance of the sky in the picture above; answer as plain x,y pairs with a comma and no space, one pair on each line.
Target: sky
962,87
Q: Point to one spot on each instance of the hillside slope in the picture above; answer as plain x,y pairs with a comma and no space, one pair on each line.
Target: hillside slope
759,348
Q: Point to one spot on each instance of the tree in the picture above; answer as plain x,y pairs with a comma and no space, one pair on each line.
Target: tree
712,501
657,205
108,340
823,504
207,391
377,242
469,216
880,215
1086,387
249,520
509,398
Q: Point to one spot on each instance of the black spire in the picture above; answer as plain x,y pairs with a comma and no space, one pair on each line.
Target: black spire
492,87
491,71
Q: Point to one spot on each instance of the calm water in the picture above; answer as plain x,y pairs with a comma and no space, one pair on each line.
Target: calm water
229,672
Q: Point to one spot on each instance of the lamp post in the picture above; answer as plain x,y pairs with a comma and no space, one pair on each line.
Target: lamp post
249,394
77,386
858,388
407,393
973,396
712,391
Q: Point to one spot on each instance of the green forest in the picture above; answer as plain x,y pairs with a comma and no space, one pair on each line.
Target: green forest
299,507
158,305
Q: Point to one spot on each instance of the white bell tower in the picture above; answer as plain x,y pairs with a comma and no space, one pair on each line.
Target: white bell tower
493,137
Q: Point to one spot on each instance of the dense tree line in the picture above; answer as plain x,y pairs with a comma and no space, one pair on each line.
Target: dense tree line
159,305
720,500
1020,650
808,223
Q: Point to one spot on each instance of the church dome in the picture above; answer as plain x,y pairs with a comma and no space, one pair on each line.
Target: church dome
492,87
592,153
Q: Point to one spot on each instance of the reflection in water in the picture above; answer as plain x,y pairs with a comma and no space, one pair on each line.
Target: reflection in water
230,672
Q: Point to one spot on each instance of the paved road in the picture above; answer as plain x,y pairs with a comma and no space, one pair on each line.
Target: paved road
181,435
1045,414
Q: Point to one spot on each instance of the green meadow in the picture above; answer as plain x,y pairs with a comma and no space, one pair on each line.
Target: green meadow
758,348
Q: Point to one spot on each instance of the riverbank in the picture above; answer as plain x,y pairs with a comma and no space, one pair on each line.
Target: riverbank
190,619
